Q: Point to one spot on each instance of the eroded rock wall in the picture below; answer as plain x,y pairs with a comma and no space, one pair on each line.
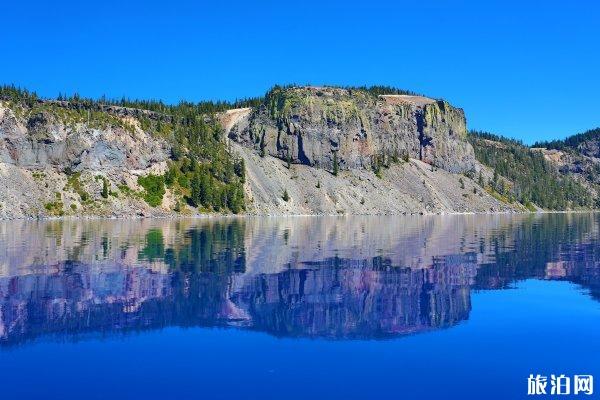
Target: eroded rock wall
348,129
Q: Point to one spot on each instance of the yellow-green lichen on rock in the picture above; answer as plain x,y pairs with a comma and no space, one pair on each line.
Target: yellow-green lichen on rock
309,125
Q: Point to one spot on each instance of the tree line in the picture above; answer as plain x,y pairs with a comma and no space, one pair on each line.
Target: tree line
534,180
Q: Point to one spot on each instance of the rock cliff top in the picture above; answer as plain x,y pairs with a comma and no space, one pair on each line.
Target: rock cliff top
334,128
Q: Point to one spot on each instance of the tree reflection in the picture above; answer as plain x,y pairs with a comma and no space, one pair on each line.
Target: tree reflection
329,278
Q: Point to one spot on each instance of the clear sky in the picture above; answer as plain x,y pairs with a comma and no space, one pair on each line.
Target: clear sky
529,70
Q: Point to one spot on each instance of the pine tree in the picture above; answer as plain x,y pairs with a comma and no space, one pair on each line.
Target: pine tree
495,180
105,188
335,164
262,145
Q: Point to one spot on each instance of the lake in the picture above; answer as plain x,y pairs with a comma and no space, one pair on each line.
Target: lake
298,308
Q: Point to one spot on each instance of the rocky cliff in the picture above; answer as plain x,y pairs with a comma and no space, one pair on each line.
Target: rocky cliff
305,150
348,151
577,156
55,158
334,128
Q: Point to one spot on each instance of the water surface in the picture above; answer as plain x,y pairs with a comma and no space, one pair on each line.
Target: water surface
297,308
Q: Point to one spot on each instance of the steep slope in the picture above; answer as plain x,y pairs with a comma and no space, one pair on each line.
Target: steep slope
404,188
84,157
527,175
54,161
577,156
299,150
341,151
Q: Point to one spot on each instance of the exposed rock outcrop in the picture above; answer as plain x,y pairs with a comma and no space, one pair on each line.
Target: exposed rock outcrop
410,187
322,127
343,151
54,160
331,150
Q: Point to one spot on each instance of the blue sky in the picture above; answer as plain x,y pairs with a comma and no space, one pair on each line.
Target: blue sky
523,69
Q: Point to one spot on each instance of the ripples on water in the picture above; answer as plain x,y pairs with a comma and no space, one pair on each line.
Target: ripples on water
298,277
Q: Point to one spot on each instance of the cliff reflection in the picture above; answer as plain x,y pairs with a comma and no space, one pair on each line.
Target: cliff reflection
338,278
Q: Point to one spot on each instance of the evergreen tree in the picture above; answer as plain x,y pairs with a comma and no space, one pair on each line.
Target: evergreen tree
105,190
534,181
335,164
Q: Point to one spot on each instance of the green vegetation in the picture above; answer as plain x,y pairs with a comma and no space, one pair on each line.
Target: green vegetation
55,208
38,175
105,189
20,95
285,196
154,189
336,166
74,183
127,191
534,180
202,171
378,90
571,142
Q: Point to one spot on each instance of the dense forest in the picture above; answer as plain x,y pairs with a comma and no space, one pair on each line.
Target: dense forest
532,178
572,142
181,110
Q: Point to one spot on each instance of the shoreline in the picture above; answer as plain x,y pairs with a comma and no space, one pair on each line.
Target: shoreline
218,216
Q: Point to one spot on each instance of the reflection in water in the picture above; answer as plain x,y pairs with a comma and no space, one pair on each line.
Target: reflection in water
316,277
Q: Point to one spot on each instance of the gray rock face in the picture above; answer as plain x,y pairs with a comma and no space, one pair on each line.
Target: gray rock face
54,160
322,127
42,140
590,148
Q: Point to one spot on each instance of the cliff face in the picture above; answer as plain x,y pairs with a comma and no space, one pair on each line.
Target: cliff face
581,162
54,159
53,136
321,127
331,150
334,150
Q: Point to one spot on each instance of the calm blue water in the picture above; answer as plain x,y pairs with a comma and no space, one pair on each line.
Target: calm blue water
296,308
